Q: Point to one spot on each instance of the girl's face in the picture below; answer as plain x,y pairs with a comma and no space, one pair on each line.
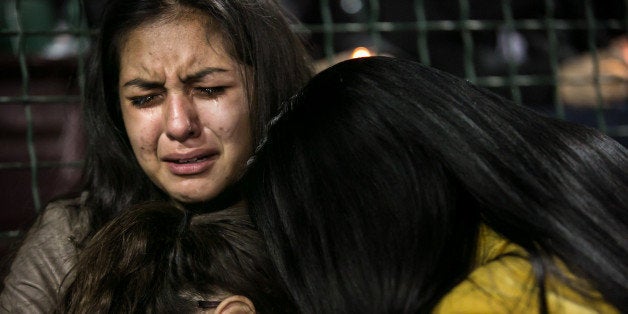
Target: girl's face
184,107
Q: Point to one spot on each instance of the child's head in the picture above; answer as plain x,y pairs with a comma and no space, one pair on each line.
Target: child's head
158,258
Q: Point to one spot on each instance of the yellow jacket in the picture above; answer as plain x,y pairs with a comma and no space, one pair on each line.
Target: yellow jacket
503,282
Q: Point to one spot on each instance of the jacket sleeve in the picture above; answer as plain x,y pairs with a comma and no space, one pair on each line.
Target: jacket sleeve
507,285
45,257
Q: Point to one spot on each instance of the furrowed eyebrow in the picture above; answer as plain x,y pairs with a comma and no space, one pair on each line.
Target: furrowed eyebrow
202,73
144,84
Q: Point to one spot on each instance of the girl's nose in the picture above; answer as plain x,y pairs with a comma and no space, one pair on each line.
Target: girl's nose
181,118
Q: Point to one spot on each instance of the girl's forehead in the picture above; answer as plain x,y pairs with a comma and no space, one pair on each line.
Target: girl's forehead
172,27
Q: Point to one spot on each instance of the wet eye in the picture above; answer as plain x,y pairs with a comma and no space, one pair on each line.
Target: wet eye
141,101
210,91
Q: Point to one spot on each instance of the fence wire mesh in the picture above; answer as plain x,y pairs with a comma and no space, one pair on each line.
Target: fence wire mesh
563,58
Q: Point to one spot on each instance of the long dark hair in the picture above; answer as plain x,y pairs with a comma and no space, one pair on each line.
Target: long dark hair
256,33
156,258
371,189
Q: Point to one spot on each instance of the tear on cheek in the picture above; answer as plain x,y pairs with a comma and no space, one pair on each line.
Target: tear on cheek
239,128
227,132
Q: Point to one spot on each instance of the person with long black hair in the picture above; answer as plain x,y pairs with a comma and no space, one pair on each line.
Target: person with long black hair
387,186
177,95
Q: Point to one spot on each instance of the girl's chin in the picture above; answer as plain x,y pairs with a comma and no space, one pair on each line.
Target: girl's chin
209,201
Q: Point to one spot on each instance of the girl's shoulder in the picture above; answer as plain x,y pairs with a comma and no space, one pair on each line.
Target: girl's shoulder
68,216
503,281
45,257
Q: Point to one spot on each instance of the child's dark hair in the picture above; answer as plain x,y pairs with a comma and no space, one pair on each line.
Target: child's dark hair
157,258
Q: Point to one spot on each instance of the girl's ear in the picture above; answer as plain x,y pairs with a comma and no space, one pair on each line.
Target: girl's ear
235,304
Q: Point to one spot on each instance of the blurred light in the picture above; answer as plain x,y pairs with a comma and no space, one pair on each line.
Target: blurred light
512,46
360,52
351,6
624,50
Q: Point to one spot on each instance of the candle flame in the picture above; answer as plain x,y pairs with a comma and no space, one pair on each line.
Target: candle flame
360,52
624,50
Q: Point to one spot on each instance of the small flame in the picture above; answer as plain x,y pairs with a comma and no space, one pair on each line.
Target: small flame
360,52
624,50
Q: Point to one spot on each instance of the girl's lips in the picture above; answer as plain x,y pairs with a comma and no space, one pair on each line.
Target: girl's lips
191,166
